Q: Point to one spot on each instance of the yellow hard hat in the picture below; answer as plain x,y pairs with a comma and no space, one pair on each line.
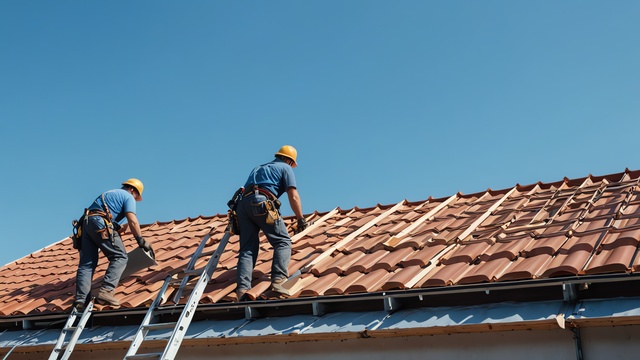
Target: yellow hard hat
290,152
137,184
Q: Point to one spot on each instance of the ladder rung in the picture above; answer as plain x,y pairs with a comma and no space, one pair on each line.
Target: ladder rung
168,306
207,253
178,282
69,328
144,356
160,326
194,272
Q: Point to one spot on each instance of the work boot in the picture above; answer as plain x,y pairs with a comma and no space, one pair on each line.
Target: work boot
242,295
79,305
276,285
105,297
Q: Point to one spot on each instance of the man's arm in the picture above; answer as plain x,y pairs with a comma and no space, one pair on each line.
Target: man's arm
132,220
134,225
295,202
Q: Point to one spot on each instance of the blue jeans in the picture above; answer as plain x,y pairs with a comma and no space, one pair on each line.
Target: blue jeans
113,249
252,216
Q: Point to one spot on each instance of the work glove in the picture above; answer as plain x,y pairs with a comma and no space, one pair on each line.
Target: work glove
302,224
145,245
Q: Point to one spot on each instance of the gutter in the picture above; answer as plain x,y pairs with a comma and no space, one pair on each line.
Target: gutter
388,300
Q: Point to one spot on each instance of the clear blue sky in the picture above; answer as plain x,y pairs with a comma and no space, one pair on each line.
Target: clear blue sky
384,100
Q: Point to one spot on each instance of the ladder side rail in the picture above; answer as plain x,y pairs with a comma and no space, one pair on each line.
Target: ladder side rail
190,267
140,334
78,330
196,254
173,345
63,334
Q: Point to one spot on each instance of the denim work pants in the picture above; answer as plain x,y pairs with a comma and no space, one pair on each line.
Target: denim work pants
114,251
252,216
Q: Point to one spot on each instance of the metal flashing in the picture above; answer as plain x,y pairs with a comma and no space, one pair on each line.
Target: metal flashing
455,318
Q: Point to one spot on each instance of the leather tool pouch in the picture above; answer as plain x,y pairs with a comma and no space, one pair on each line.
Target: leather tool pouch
234,226
272,211
77,229
106,233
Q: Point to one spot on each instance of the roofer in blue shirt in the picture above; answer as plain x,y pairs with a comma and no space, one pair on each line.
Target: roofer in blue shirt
100,232
258,210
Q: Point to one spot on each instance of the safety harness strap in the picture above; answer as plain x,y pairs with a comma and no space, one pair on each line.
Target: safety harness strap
106,209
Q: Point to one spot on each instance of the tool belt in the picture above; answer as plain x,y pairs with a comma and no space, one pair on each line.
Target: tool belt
107,221
251,190
111,227
98,213
272,204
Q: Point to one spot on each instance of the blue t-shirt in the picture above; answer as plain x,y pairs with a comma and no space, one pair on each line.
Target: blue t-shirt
119,202
276,177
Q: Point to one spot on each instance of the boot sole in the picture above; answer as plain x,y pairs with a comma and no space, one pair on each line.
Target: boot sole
105,302
279,289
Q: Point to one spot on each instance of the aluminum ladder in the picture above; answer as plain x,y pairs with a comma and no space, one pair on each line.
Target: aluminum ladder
62,350
150,324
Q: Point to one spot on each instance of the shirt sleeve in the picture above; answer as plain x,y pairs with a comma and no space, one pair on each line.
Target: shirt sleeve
288,178
129,205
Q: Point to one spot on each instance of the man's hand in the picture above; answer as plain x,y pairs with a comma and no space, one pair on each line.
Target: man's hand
145,245
302,224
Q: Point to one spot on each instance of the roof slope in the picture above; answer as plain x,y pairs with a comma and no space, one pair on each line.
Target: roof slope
574,227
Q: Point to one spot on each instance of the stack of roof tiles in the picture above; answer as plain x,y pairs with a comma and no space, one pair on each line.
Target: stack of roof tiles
573,227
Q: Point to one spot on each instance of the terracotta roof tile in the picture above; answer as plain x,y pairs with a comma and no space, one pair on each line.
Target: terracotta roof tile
324,285
337,264
466,253
215,292
401,279
391,261
446,275
627,221
546,245
486,272
366,262
526,268
567,264
505,249
365,243
301,254
423,256
340,285
573,227
370,282
407,241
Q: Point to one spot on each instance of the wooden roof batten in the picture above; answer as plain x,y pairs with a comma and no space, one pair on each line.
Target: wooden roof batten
293,284
433,262
350,237
406,231
609,223
314,225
